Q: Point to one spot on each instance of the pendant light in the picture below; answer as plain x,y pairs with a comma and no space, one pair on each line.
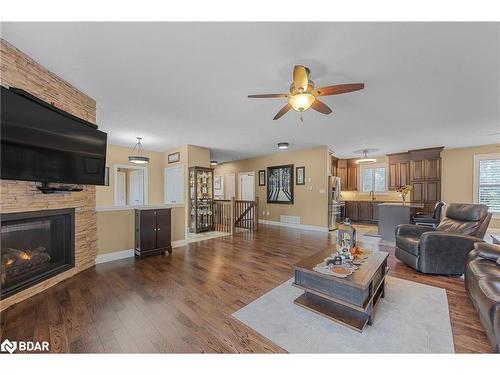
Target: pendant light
365,159
138,158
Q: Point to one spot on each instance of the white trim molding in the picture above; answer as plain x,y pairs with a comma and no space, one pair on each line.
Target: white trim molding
145,181
122,254
115,255
475,178
296,226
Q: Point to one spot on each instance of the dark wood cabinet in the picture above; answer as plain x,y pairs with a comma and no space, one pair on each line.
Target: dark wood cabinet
365,211
152,231
347,170
425,176
351,210
399,170
375,211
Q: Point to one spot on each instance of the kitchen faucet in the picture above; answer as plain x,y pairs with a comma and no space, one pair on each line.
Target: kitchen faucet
372,194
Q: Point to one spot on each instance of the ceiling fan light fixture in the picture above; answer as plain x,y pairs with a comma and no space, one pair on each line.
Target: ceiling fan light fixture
138,158
283,145
365,159
301,102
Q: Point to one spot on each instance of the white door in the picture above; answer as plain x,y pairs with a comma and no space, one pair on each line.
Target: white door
174,185
136,187
229,186
247,187
121,197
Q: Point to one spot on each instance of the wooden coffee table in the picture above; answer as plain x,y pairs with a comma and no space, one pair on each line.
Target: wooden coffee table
349,301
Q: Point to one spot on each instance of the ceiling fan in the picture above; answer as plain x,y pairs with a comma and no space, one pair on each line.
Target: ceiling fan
303,95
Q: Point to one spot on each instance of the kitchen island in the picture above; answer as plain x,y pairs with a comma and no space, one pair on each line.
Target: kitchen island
390,215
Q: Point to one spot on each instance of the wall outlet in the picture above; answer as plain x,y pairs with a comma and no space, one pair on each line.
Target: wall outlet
268,213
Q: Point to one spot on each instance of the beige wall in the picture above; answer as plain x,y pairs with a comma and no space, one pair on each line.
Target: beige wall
458,172
119,155
115,229
310,205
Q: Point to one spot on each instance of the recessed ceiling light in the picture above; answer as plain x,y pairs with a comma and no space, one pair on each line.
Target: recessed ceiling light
214,162
283,145
138,158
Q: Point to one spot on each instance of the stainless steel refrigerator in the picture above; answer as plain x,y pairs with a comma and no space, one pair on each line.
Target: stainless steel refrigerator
335,204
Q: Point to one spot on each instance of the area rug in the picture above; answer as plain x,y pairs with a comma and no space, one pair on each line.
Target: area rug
412,318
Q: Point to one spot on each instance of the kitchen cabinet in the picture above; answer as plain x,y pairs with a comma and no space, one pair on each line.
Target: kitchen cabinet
365,211
375,211
399,170
152,231
347,170
351,210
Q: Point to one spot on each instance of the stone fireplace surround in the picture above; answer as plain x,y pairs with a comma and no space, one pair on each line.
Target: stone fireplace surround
19,70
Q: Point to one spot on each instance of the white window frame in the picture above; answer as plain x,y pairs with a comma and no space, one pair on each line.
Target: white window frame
370,166
475,189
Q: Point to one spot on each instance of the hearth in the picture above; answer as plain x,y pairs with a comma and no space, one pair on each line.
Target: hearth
36,245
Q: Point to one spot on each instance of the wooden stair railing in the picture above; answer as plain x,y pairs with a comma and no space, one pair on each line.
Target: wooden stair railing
231,214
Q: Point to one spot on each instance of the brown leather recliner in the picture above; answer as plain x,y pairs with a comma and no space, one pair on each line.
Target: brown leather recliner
482,283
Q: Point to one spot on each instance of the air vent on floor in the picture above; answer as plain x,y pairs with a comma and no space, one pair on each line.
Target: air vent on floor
290,219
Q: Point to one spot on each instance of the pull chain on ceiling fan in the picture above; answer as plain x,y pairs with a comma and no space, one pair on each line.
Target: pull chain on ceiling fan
303,95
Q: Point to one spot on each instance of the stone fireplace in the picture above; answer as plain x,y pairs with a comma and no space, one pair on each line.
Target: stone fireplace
22,197
36,245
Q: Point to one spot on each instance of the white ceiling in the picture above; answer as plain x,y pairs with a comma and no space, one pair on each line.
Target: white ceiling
426,84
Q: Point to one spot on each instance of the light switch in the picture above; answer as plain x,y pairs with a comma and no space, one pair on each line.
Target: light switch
308,179
322,191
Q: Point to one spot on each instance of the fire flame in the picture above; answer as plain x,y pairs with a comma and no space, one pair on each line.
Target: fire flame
24,256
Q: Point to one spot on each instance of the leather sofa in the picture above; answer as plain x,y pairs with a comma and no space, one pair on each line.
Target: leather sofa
482,283
443,250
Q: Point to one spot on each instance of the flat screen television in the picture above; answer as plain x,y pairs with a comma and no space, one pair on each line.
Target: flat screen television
42,143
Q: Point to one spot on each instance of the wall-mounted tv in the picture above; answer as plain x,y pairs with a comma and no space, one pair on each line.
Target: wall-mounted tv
40,142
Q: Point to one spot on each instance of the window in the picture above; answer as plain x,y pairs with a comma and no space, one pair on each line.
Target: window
487,180
373,178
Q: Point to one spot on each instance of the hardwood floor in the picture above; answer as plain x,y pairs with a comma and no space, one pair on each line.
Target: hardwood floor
183,303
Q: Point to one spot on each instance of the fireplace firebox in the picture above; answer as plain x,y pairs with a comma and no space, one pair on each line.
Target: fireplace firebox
35,246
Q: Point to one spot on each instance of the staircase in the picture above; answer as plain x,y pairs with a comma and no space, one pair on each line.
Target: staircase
230,214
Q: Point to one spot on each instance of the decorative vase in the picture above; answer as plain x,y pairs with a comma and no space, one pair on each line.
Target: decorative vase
403,196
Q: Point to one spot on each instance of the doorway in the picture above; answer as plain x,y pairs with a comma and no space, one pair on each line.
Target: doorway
229,186
246,186
130,185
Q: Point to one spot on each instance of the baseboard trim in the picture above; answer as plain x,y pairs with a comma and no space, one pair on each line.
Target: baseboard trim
115,255
295,226
122,254
179,243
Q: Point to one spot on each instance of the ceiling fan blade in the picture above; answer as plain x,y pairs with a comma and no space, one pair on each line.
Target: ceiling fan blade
300,79
269,96
321,107
339,89
282,111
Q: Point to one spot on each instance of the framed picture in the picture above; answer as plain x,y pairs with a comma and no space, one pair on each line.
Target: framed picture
174,158
280,184
262,178
219,187
300,176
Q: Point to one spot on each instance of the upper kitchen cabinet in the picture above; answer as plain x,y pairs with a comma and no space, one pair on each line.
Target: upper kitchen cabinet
399,170
425,164
347,170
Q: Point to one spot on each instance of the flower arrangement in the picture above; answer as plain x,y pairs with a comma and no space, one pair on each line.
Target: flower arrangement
404,190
